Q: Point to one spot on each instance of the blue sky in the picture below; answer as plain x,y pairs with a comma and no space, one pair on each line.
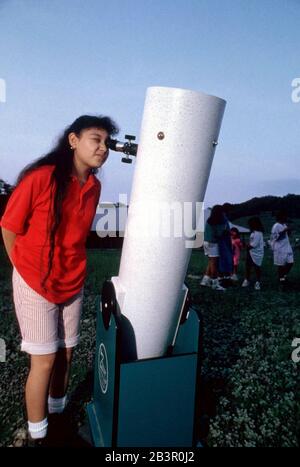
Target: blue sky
64,58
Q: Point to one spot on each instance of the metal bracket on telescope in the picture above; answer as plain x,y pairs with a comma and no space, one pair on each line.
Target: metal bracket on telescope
109,304
183,316
130,149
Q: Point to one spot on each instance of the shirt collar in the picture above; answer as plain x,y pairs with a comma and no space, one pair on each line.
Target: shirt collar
90,182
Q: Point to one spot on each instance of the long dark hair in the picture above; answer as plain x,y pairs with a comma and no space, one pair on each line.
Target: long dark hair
255,224
61,157
216,216
236,231
281,216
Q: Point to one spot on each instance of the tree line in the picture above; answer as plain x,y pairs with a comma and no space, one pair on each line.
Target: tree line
256,206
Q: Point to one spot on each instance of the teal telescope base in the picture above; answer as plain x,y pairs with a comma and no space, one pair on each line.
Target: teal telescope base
152,402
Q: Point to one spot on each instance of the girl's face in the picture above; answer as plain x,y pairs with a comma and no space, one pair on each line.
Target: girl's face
233,234
90,147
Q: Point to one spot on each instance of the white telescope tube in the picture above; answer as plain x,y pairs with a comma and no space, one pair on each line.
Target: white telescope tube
179,133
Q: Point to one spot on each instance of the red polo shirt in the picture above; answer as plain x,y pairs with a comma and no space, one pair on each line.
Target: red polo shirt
26,215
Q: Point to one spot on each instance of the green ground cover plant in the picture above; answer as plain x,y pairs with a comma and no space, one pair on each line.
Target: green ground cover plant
250,392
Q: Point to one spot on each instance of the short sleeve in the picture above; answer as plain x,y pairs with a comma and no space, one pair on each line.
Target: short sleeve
98,192
254,239
22,200
277,232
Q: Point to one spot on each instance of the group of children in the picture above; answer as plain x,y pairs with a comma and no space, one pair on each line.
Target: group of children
218,233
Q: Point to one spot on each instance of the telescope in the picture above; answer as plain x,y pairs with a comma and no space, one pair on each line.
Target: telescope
128,147
149,336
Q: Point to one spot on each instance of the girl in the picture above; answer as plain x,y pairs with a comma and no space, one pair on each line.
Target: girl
225,264
283,253
44,227
214,229
255,252
237,245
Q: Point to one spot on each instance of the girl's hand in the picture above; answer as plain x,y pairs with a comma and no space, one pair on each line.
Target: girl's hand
8,240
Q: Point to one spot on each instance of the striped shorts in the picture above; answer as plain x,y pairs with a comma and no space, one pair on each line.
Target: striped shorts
45,327
211,249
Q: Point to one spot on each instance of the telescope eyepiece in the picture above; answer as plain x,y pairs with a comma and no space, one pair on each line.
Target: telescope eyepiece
115,145
127,147
111,143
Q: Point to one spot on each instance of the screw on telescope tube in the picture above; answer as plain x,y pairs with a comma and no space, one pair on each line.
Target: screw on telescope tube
215,143
161,135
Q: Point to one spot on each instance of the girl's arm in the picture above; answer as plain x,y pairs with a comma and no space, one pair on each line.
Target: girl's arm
255,240
278,233
252,242
9,240
281,235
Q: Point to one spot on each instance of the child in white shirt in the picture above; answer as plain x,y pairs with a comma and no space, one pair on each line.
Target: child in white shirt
282,250
255,252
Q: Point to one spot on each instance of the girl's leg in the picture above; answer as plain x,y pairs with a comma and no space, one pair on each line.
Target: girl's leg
287,268
207,270
61,372
281,272
61,424
257,272
68,333
37,385
213,263
248,267
206,279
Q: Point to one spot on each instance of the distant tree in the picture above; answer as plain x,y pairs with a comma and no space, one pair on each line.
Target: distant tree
255,206
5,188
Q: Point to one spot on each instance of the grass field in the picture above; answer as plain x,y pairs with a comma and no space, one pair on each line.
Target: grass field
251,386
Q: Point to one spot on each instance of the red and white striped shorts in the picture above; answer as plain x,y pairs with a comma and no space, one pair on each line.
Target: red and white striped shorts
45,326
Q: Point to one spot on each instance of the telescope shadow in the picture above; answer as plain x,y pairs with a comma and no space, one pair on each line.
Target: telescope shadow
128,341
70,428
